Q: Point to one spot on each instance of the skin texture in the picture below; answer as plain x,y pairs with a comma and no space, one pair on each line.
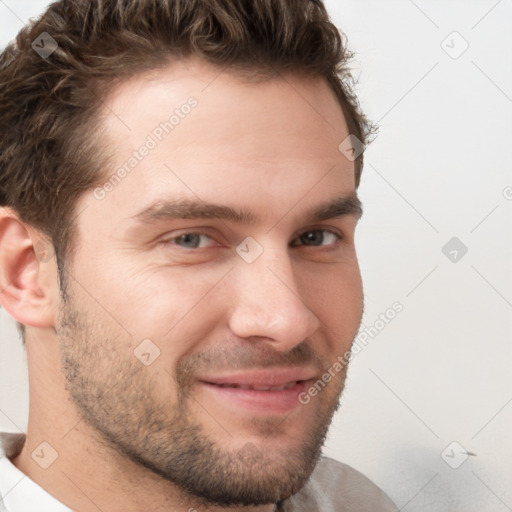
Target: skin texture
153,435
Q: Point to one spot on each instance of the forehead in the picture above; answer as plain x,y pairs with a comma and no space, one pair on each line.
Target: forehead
203,132
287,105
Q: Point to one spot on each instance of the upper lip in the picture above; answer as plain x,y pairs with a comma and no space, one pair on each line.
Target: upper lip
269,377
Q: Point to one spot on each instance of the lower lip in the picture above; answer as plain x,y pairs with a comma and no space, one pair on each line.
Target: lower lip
275,402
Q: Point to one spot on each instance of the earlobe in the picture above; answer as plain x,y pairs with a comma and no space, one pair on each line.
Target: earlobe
24,288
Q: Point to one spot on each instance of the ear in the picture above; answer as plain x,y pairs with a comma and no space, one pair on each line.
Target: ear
26,292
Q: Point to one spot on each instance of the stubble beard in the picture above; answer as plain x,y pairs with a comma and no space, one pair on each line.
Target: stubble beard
118,397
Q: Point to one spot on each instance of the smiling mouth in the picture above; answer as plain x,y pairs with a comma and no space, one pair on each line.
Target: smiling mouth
289,385
256,398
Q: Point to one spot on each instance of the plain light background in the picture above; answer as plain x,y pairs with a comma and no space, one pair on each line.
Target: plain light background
437,77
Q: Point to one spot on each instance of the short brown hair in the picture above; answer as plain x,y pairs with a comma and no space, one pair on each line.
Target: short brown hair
48,106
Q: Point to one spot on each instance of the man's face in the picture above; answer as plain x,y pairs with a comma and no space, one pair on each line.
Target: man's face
190,332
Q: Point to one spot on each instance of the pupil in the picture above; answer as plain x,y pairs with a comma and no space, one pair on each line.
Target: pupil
313,237
190,239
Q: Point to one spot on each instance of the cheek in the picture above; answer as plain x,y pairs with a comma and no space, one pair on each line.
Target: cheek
176,308
333,288
335,296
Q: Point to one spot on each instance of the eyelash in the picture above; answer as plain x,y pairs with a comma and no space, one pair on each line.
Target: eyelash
338,236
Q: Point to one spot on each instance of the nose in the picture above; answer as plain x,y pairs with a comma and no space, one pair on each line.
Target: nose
268,303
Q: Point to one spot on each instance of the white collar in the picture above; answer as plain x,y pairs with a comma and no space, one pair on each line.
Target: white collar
18,493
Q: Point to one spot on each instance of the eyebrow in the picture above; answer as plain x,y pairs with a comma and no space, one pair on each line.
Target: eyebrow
196,209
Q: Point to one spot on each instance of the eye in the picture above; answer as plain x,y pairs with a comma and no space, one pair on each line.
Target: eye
318,237
192,240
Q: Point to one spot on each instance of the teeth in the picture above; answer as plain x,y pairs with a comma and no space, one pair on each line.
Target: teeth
259,388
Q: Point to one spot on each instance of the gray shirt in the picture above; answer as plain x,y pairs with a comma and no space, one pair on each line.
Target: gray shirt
332,487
